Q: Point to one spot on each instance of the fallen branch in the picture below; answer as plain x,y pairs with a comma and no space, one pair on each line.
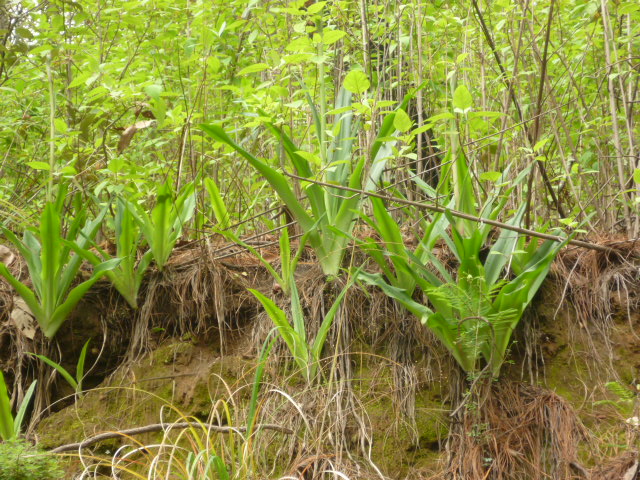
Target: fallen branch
159,427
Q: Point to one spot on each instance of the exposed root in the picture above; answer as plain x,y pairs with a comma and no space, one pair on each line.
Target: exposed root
333,431
193,295
514,431
599,289
624,467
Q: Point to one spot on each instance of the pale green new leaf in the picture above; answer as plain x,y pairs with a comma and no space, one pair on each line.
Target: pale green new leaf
356,82
217,204
22,410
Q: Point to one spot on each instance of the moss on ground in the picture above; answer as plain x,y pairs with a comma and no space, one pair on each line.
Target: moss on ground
192,377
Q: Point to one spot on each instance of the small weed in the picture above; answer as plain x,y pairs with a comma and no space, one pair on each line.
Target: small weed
19,460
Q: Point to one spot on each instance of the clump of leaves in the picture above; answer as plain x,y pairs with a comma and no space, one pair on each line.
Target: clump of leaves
475,310
19,460
52,266
332,215
128,275
163,227
306,354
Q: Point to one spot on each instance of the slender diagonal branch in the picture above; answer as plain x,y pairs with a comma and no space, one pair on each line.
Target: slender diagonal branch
159,427
458,214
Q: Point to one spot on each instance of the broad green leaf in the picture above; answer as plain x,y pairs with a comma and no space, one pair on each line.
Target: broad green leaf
330,37
316,7
301,45
462,99
60,125
356,82
310,157
490,176
153,91
80,79
401,121
39,166
628,8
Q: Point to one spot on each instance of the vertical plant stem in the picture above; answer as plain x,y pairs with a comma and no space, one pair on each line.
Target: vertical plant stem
613,111
52,129
628,106
366,48
421,165
323,99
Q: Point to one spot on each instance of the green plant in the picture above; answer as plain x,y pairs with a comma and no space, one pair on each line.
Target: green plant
625,397
127,276
332,214
205,465
19,460
390,251
163,227
76,383
10,426
208,463
199,450
476,309
52,267
306,355
287,264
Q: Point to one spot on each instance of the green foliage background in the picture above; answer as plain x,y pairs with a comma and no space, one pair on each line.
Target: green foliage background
155,122
75,75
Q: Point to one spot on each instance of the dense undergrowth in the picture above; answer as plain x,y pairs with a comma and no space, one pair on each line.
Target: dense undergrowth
355,202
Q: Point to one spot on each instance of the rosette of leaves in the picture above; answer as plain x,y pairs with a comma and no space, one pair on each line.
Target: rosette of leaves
474,310
53,266
330,218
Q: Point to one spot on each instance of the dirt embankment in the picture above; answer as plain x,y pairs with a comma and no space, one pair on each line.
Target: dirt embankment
190,352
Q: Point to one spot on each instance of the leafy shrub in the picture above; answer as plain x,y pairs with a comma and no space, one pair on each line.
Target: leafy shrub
21,461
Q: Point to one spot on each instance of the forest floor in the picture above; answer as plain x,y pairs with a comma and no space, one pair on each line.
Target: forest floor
189,354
